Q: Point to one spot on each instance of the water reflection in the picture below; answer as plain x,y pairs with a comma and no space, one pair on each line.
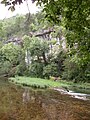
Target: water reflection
33,97
26,95
28,104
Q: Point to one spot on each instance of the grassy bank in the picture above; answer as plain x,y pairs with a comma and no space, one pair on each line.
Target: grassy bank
44,83
35,82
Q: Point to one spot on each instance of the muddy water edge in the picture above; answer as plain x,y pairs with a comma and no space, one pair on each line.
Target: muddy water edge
17,103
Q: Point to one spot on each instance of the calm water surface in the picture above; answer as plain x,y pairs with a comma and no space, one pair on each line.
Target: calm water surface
18,103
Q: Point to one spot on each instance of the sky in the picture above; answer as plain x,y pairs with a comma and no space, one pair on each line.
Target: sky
20,9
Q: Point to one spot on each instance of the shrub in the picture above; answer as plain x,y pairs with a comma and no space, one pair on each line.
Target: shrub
20,69
50,70
36,70
73,71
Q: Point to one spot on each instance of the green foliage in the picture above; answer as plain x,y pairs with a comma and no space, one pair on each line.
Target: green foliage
50,70
11,52
87,73
58,57
16,26
33,27
72,71
36,69
5,67
13,26
10,57
38,49
38,46
35,82
2,33
21,68
76,18
1,44
73,21
26,42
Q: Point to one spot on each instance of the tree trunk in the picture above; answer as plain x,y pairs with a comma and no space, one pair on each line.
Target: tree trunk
44,58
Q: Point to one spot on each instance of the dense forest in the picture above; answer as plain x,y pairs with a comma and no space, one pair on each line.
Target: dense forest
30,45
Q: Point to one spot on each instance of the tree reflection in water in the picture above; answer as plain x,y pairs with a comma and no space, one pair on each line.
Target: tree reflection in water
17,103
26,95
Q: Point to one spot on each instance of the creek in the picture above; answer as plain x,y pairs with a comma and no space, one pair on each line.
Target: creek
17,103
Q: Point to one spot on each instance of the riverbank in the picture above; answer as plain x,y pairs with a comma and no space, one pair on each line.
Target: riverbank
35,82
44,83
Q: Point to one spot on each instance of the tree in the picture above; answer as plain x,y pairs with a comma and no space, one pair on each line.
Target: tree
36,55
76,16
36,48
75,72
2,34
11,52
11,57
13,26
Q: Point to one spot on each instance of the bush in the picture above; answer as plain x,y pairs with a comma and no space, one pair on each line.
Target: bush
70,70
50,70
20,69
5,67
75,72
36,69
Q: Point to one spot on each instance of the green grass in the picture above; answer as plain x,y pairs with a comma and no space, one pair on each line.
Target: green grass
35,82
77,85
44,83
